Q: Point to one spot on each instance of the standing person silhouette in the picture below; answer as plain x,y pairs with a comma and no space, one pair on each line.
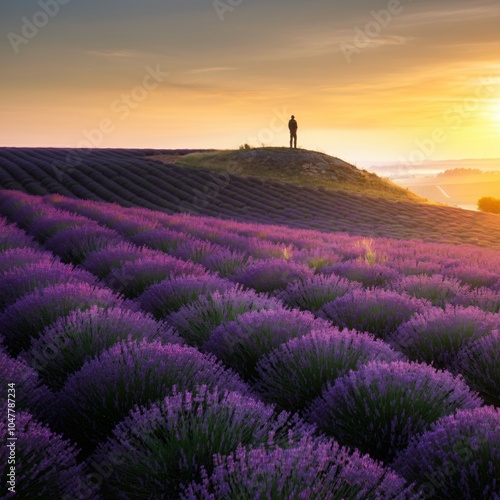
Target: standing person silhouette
292,126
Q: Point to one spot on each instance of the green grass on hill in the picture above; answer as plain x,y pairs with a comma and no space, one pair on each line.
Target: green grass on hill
299,167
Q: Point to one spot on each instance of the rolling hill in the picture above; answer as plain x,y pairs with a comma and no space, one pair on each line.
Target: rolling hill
265,185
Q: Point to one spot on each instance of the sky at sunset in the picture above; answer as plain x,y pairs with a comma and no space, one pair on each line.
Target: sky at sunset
369,81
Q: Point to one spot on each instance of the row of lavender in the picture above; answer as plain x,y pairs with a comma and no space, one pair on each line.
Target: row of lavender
257,336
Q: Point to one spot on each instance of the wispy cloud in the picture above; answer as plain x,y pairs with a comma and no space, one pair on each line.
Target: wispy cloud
215,69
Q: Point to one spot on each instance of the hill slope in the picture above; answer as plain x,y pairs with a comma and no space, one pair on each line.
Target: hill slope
130,178
297,167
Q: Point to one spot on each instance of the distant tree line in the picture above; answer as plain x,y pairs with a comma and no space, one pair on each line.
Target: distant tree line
489,204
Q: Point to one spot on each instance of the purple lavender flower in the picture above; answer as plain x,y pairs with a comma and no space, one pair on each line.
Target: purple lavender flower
458,457
475,276
171,294
377,311
164,240
196,321
31,395
272,274
313,293
310,470
20,281
378,408
369,274
436,335
102,262
167,444
74,244
227,262
13,237
478,363
436,288
296,372
97,397
19,257
242,342
67,344
133,278
24,320
49,225
46,464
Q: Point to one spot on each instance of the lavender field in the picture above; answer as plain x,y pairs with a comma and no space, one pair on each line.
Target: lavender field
160,355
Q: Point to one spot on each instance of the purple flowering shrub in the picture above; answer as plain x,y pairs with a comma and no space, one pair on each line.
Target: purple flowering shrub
479,364
21,281
438,289
103,261
46,464
378,408
313,293
312,469
242,342
74,244
24,320
168,443
133,278
130,226
105,389
164,240
458,457
171,294
64,346
31,394
19,257
484,298
197,320
227,262
272,274
52,223
197,250
376,311
369,274
295,373
473,276
13,237
435,336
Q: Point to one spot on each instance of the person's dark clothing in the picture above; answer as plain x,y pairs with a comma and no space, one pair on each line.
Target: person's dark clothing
293,126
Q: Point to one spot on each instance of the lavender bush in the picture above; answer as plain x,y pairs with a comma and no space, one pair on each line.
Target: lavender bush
196,321
378,408
24,320
310,470
227,262
19,257
133,278
13,237
31,395
272,274
436,335
313,293
52,223
242,342
438,289
164,240
170,295
67,344
296,372
76,243
20,281
367,273
46,464
102,262
377,311
479,364
97,397
458,457
166,445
